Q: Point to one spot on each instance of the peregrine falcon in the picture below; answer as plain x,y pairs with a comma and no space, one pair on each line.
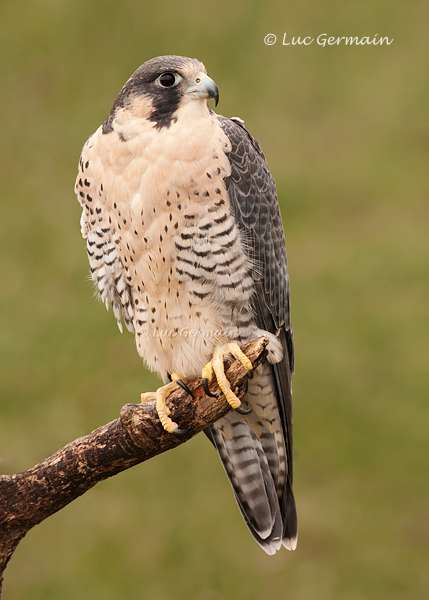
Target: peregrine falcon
185,242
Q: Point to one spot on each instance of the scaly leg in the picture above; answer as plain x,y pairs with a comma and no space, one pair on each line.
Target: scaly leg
163,411
216,367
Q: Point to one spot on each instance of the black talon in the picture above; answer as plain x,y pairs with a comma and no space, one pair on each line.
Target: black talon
250,373
184,387
245,386
242,411
180,432
206,388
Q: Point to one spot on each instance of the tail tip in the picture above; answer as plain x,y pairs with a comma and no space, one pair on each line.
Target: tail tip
290,543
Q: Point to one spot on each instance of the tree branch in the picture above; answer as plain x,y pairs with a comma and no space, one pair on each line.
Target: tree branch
29,497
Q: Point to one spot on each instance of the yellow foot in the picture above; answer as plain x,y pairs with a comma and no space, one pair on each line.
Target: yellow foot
217,367
163,411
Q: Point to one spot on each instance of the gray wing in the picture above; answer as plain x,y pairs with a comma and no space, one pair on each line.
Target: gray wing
254,204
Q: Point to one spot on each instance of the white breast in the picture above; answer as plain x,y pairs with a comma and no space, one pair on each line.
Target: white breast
180,262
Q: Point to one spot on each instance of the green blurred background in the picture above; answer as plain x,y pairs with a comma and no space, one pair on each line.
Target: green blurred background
345,131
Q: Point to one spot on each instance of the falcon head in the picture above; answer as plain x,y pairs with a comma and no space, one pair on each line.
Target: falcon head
160,87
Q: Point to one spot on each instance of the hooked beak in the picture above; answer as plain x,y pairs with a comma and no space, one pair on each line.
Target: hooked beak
202,86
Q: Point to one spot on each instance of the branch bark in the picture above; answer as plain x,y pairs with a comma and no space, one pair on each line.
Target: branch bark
29,497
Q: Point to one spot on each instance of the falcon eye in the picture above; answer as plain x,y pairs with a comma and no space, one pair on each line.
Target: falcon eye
167,79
